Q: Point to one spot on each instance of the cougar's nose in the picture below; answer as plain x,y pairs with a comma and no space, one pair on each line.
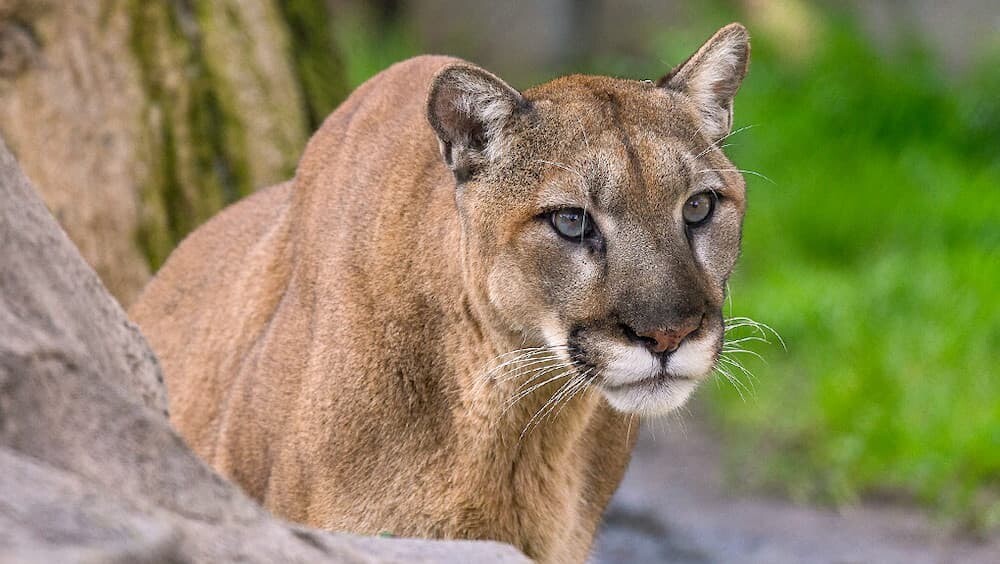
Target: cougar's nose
666,339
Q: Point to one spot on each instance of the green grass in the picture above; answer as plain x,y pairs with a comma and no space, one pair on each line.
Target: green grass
875,253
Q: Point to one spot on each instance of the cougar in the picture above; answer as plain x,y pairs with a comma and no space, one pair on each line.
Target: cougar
445,324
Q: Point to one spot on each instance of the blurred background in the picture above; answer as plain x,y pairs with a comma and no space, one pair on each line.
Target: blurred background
870,130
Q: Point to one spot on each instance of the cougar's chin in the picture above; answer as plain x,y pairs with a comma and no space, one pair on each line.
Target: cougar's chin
650,397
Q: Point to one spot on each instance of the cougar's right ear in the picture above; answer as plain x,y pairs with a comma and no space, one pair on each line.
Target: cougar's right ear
470,109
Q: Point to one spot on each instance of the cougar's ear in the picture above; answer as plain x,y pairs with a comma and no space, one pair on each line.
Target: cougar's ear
711,77
469,109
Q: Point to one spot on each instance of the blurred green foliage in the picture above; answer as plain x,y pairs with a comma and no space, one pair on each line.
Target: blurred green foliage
872,246
369,46
876,254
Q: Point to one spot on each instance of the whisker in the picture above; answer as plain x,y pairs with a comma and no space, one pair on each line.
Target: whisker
562,389
735,364
747,339
579,386
729,298
532,383
740,170
731,326
726,351
567,168
680,414
569,392
521,351
520,370
628,430
525,356
750,386
721,139
486,376
546,408
522,357
538,373
582,387
735,383
586,141
760,326
521,395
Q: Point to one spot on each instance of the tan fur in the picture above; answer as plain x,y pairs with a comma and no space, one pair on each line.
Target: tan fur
325,340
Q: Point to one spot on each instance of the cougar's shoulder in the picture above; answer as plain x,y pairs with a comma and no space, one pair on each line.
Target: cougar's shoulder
219,292
220,279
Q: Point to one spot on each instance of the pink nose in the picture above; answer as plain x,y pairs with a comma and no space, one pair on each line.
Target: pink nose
668,339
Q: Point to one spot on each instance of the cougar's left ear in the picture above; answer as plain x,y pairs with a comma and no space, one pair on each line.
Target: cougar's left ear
712,76
470,109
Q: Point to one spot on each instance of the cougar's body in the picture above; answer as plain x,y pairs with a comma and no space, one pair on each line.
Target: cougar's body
336,344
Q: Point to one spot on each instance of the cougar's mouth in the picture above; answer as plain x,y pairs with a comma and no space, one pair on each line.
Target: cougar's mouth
661,378
651,396
635,381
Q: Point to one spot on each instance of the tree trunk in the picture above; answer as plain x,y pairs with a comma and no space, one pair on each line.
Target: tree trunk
139,119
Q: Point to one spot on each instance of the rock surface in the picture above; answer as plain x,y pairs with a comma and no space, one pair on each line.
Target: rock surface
90,469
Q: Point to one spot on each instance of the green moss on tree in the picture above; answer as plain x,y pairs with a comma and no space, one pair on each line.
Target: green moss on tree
222,119
315,57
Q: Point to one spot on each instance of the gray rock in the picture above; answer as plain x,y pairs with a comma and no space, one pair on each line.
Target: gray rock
90,469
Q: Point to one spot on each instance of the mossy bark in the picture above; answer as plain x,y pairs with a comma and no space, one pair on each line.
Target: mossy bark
138,120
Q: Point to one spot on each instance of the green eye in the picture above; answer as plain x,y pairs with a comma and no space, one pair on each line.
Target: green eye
572,223
698,208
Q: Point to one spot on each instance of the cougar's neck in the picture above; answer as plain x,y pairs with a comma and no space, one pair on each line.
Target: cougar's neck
521,400
529,434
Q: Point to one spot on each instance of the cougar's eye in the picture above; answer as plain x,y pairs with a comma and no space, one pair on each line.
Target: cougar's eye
698,208
572,223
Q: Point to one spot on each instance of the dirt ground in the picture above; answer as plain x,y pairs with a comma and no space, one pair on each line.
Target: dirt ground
674,507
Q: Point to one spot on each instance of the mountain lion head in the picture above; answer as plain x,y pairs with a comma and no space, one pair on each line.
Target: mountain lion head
601,215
